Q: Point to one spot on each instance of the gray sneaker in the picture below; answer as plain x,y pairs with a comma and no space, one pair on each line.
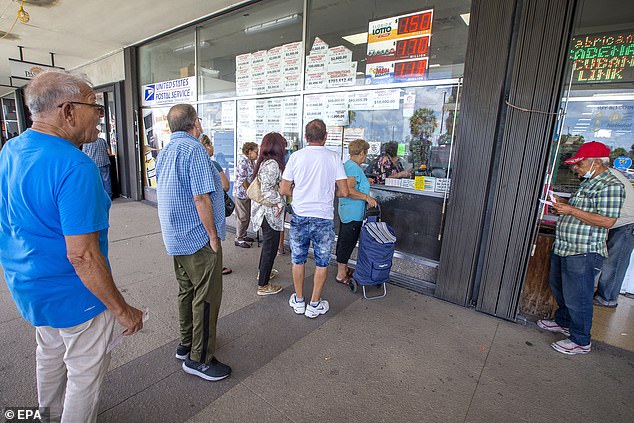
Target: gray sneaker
213,371
269,289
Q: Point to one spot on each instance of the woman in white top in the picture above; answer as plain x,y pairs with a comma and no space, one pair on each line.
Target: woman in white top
269,215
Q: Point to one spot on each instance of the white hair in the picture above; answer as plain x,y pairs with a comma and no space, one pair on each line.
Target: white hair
51,88
605,161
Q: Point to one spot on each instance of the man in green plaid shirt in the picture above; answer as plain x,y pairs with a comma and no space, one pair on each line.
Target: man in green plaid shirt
580,246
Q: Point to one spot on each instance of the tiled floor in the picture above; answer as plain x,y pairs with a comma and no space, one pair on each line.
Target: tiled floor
615,326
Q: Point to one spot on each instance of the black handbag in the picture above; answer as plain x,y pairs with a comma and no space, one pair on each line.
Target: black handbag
229,205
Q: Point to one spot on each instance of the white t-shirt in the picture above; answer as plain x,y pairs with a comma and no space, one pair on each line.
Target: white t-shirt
315,170
627,210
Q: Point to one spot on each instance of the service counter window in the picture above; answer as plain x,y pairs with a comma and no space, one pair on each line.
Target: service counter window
360,42
410,131
254,50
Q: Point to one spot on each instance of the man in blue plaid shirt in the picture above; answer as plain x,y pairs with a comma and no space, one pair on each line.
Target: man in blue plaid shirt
191,211
580,246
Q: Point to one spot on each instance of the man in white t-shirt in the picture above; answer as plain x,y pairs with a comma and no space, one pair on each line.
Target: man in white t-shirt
313,176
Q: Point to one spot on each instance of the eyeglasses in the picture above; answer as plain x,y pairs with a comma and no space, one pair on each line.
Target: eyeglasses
99,107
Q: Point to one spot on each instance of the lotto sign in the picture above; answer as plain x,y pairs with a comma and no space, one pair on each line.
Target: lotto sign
399,48
174,91
622,163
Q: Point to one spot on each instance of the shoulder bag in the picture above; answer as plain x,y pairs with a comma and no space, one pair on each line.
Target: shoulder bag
229,205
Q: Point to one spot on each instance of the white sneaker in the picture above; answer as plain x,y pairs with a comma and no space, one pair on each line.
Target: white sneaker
552,326
298,307
566,346
322,307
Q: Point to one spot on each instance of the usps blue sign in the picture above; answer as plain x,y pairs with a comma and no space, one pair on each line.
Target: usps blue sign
148,93
182,90
622,163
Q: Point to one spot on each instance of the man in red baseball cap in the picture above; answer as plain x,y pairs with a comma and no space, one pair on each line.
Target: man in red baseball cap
580,246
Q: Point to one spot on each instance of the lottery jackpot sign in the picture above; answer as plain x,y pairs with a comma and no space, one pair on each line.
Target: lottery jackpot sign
398,48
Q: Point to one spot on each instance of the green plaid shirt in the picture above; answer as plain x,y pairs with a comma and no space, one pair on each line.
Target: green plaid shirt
603,195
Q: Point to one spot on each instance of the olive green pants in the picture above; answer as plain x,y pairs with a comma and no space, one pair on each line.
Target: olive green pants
199,278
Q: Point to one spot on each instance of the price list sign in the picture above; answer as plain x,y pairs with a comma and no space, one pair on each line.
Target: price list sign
398,48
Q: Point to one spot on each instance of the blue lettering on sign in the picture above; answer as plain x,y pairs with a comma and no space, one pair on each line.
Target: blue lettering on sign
622,163
148,94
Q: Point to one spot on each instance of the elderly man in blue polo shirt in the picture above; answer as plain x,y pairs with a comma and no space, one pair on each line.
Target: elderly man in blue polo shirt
191,211
54,246
580,246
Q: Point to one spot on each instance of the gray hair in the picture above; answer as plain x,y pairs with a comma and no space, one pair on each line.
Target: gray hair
182,117
51,88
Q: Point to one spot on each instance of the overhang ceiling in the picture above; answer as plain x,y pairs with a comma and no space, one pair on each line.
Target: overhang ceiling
79,31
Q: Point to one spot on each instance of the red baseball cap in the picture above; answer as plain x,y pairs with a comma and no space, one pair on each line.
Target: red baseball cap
589,150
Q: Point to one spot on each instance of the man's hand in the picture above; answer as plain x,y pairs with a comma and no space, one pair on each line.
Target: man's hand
130,318
213,243
371,201
562,208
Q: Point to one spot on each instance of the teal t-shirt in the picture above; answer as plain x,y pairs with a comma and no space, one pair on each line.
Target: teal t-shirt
351,209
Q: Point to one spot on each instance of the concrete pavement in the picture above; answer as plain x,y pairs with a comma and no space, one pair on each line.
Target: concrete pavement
404,358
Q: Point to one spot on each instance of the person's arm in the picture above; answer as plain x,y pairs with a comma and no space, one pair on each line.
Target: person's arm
92,268
593,219
342,188
225,181
245,184
357,195
286,187
206,215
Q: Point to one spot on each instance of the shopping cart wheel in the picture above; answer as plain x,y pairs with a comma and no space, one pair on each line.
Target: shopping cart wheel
353,285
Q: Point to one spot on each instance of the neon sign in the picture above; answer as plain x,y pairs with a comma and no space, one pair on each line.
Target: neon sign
604,57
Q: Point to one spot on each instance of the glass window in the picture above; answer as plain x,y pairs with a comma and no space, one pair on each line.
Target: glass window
254,50
169,58
218,122
408,40
411,127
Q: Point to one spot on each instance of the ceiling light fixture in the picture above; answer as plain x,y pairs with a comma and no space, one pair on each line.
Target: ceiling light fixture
466,17
274,24
356,39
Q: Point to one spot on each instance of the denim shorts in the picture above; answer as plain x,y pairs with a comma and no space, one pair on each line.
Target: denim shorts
306,229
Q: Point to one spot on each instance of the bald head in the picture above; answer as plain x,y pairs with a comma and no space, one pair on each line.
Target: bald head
182,117
50,88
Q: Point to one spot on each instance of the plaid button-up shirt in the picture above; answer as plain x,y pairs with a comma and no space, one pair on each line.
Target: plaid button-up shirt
183,170
603,195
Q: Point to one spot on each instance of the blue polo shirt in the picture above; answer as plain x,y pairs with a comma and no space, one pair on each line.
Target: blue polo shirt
183,170
351,209
48,189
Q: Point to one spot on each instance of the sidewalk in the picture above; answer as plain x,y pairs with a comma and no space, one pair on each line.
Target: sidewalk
404,358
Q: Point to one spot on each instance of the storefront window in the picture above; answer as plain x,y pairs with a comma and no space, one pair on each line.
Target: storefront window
361,42
167,59
599,102
255,50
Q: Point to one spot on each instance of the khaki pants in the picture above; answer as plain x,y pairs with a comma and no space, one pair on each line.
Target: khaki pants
243,217
199,278
73,360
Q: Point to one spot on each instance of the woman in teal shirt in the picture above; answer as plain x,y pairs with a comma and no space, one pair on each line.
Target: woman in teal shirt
352,209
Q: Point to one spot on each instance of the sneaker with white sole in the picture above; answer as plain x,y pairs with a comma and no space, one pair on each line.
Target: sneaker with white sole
182,351
312,311
298,306
566,346
274,273
213,371
552,326
269,289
